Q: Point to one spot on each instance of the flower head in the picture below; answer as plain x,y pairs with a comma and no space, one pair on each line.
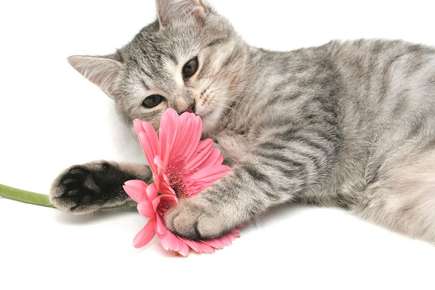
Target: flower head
183,165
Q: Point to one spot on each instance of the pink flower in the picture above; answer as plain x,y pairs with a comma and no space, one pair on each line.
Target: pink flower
182,167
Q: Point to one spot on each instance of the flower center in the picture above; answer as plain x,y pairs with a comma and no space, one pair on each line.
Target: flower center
176,182
163,208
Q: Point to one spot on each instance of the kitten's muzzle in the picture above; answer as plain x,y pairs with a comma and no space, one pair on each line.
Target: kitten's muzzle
183,107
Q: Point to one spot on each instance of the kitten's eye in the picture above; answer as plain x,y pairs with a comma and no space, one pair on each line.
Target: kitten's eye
190,68
153,101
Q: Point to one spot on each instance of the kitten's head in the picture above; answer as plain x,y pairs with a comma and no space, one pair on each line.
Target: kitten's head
189,60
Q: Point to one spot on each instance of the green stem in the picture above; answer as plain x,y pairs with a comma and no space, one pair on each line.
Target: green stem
24,196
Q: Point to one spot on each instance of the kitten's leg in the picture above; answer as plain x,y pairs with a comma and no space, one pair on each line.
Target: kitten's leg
251,189
403,198
282,165
87,188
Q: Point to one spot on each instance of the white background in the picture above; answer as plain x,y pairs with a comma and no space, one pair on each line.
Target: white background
51,118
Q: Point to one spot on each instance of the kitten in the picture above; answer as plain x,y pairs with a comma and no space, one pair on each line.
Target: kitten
347,124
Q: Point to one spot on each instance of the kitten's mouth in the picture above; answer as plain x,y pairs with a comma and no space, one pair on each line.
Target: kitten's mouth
192,108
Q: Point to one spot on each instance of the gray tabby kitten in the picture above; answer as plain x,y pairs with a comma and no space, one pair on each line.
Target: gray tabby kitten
346,124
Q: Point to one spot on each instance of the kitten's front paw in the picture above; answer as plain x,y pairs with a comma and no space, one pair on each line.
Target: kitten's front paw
194,220
87,188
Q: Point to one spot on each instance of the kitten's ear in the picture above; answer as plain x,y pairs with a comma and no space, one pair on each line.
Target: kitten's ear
169,10
100,70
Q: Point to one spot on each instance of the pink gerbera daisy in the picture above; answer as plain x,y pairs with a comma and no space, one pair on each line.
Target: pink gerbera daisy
183,165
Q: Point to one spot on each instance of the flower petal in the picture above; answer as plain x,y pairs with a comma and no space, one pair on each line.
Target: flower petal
136,190
182,142
148,139
210,174
204,178
224,241
146,209
188,137
191,134
183,250
165,200
145,235
146,145
199,247
167,135
171,242
201,156
161,228
151,192
168,241
215,158
165,187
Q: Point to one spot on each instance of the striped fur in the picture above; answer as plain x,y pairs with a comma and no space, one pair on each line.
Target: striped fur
347,124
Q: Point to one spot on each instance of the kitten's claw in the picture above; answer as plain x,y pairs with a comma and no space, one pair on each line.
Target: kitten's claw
194,220
87,188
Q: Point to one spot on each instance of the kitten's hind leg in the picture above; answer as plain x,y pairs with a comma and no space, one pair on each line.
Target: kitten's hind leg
403,198
88,188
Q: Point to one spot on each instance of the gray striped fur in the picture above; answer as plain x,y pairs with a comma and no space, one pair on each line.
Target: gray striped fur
347,124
